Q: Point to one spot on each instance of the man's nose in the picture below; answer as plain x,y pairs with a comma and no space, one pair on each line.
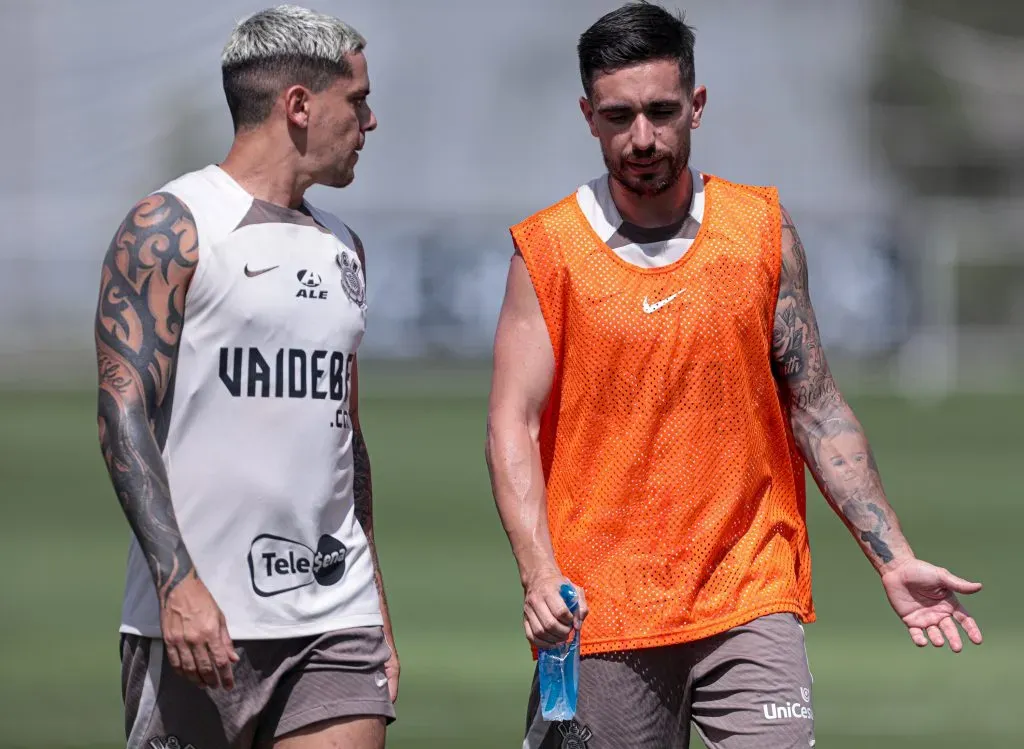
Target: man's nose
642,134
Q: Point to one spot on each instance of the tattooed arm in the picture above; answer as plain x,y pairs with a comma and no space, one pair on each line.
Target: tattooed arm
837,452
138,321
362,490
824,426
145,274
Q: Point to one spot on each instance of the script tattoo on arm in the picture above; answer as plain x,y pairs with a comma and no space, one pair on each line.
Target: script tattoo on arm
138,323
825,428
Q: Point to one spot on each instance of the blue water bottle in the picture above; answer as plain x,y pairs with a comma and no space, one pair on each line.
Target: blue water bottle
559,669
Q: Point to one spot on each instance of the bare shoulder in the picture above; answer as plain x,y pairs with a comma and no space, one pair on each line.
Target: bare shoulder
794,259
158,223
521,305
157,240
797,355
140,313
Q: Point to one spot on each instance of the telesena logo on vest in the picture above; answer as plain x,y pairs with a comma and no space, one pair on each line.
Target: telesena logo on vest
278,565
258,441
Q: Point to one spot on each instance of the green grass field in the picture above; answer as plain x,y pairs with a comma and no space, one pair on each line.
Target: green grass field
953,472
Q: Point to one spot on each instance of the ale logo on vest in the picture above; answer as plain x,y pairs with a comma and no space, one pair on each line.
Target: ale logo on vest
278,565
311,285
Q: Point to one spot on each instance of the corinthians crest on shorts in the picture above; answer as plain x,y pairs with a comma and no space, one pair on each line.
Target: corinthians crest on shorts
574,735
352,278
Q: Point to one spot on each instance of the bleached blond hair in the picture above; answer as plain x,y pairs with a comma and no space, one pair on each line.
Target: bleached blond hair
279,47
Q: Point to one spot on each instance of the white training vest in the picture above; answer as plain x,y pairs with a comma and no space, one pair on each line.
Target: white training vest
259,443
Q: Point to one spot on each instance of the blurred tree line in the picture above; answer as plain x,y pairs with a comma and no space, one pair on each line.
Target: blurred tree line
922,90
947,110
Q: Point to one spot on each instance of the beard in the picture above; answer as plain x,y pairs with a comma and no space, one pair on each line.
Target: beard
344,178
340,175
649,185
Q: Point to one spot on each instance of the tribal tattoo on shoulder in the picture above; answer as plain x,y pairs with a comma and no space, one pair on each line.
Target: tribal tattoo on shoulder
825,428
139,317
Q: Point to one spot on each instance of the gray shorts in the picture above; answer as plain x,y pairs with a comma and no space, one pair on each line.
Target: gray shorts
280,687
748,687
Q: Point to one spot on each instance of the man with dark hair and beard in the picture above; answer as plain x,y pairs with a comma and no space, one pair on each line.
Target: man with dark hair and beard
658,386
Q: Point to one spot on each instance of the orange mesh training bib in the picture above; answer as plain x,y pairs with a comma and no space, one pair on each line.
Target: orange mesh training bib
675,492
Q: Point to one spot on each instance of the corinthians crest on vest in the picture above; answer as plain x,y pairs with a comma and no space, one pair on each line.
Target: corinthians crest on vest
352,278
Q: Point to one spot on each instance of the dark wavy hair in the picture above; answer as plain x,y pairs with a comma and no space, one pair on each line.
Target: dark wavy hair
634,33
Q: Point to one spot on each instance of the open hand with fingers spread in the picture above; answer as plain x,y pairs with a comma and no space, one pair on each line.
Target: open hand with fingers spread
196,635
924,597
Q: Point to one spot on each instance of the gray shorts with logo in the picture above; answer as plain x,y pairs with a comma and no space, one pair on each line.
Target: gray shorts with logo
745,688
280,687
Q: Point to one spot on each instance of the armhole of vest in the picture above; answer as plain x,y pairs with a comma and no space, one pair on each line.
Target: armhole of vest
195,285
545,306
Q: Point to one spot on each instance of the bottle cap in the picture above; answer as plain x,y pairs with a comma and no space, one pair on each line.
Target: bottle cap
570,596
